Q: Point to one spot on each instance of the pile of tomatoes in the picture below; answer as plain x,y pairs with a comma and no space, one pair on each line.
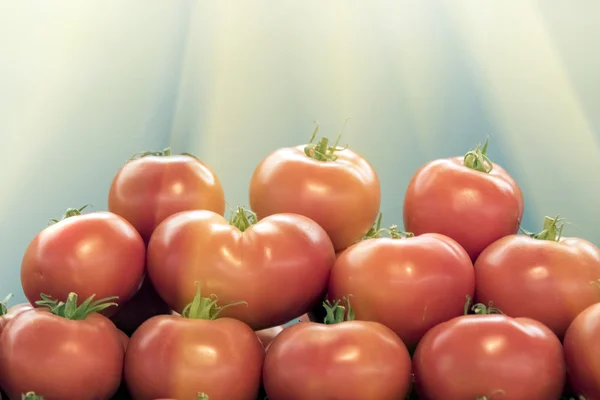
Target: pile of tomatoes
162,297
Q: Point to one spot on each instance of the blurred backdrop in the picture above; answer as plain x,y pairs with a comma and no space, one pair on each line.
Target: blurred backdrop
84,85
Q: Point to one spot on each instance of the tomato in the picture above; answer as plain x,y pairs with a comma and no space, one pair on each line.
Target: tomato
491,357
279,266
97,254
145,304
470,199
179,356
62,351
347,360
408,284
335,187
544,276
583,353
7,314
154,185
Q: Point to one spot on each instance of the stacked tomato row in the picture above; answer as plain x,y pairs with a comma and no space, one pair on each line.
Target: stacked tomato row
162,297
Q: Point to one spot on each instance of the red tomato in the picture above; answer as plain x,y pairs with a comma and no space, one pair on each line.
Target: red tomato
547,280
97,254
177,357
69,353
469,199
278,266
583,353
491,356
408,284
335,187
154,186
349,360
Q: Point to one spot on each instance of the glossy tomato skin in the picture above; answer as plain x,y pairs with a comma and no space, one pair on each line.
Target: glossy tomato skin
472,207
279,266
80,359
342,196
13,312
351,360
496,356
147,190
409,285
583,353
97,254
174,357
540,279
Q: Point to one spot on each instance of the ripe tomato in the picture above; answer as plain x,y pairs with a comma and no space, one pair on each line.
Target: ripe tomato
583,353
177,357
489,356
153,186
408,284
7,314
469,199
335,187
348,360
97,254
279,266
62,351
545,277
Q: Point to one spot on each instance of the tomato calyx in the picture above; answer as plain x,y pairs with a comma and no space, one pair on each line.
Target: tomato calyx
70,309
166,152
70,212
3,307
479,308
205,308
242,218
478,160
551,231
31,396
336,313
377,232
322,151
202,396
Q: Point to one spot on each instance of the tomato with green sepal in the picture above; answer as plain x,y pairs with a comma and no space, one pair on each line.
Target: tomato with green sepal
172,356
152,186
470,199
63,351
98,254
340,359
408,283
544,276
333,186
279,266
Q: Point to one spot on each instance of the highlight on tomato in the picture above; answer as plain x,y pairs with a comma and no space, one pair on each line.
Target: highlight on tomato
333,186
469,199
62,350
544,276
172,356
340,359
488,355
97,253
152,186
408,283
279,266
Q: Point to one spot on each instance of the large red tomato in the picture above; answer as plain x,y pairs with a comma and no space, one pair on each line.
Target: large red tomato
279,266
97,254
491,357
349,360
335,187
69,352
408,284
583,353
177,357
545,277
469,199
155,185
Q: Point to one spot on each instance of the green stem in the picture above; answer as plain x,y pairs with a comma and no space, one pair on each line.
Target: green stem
551,231
336,313
202,396
70,309
393,232
242,218
3,303
205,307
166,152
478,160
479,308
70,212
31,396
321,151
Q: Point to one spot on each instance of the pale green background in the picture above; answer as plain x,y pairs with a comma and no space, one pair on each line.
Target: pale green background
83,85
